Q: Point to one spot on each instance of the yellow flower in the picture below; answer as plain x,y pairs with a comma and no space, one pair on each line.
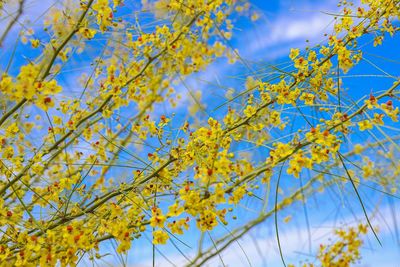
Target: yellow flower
308,98
64,54
35,43
12,130
5,84
176,226
207,220
45,102
160,237
104,14
287,219
249,111
175,210
297,163
237,194
87,33
157,219
294,53
365,125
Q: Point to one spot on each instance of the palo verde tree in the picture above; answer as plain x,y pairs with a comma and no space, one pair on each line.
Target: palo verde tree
112,160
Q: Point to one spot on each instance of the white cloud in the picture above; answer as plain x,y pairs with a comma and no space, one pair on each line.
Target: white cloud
289,28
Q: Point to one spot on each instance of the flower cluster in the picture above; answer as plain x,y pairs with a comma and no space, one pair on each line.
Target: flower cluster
107,160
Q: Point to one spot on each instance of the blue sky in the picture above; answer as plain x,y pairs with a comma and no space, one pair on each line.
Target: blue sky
282,25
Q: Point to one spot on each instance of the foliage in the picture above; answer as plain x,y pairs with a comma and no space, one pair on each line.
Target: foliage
64,184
